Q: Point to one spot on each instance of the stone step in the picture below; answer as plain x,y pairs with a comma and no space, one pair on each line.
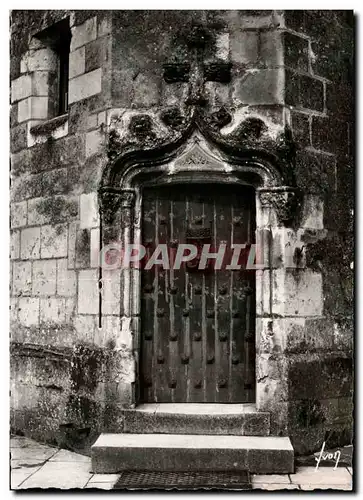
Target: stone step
195,418
113,453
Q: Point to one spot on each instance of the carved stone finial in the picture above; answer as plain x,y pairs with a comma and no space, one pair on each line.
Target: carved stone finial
220,118
286,201
141,127
173,117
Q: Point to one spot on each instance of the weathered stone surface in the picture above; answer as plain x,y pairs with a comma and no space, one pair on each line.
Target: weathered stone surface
21,88
18,214
88,294
84,33
44,277
28,311
77,62
153,419
89,214
53,241
33,108
85,85
115,452
304,91
30,243
22,278
15,244
259,87
66,279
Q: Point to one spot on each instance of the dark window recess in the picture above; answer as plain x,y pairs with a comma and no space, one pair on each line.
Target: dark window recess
58,38
63,55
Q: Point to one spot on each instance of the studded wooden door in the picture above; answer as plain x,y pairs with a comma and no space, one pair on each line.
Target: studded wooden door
198,326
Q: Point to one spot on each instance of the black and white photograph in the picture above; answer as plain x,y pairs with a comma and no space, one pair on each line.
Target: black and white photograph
182,235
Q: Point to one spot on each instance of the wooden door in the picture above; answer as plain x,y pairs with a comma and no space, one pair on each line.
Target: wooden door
198,326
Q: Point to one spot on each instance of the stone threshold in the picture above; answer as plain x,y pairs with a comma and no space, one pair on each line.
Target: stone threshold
196,408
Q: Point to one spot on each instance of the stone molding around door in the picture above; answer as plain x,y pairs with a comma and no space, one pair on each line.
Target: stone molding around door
195,161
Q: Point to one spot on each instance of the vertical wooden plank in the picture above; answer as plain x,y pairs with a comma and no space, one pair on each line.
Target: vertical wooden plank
240,236
163,394
250,291
196,372
147,307
208,311
223,229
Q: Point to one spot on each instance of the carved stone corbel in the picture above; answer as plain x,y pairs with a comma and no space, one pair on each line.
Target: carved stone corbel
285,200
114,201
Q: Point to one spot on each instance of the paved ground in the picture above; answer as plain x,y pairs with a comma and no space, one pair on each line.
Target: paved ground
34,465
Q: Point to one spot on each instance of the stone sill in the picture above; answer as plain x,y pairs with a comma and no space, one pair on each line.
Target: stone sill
49,126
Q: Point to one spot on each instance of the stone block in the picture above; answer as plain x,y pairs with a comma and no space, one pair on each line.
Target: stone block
39,60
52,310
104,26
30,243
297,293
222,46
265,86
303,91
33,108
83,249
84,33
313,212
300,124
160,420
18,214
109,333
329,135
88,292
111,291
22,278
26,186
21,88
77,62
92,121
146,90
66,279
55,182
271,48
13,311
53,241
18,137
279,335
54,209
244,47
95,55
315,172
112,452
94,142
14,244
44,277
86,327
89,214
95,248
319,377
41,81
72,235
122,87
296,51
28,312
85,85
